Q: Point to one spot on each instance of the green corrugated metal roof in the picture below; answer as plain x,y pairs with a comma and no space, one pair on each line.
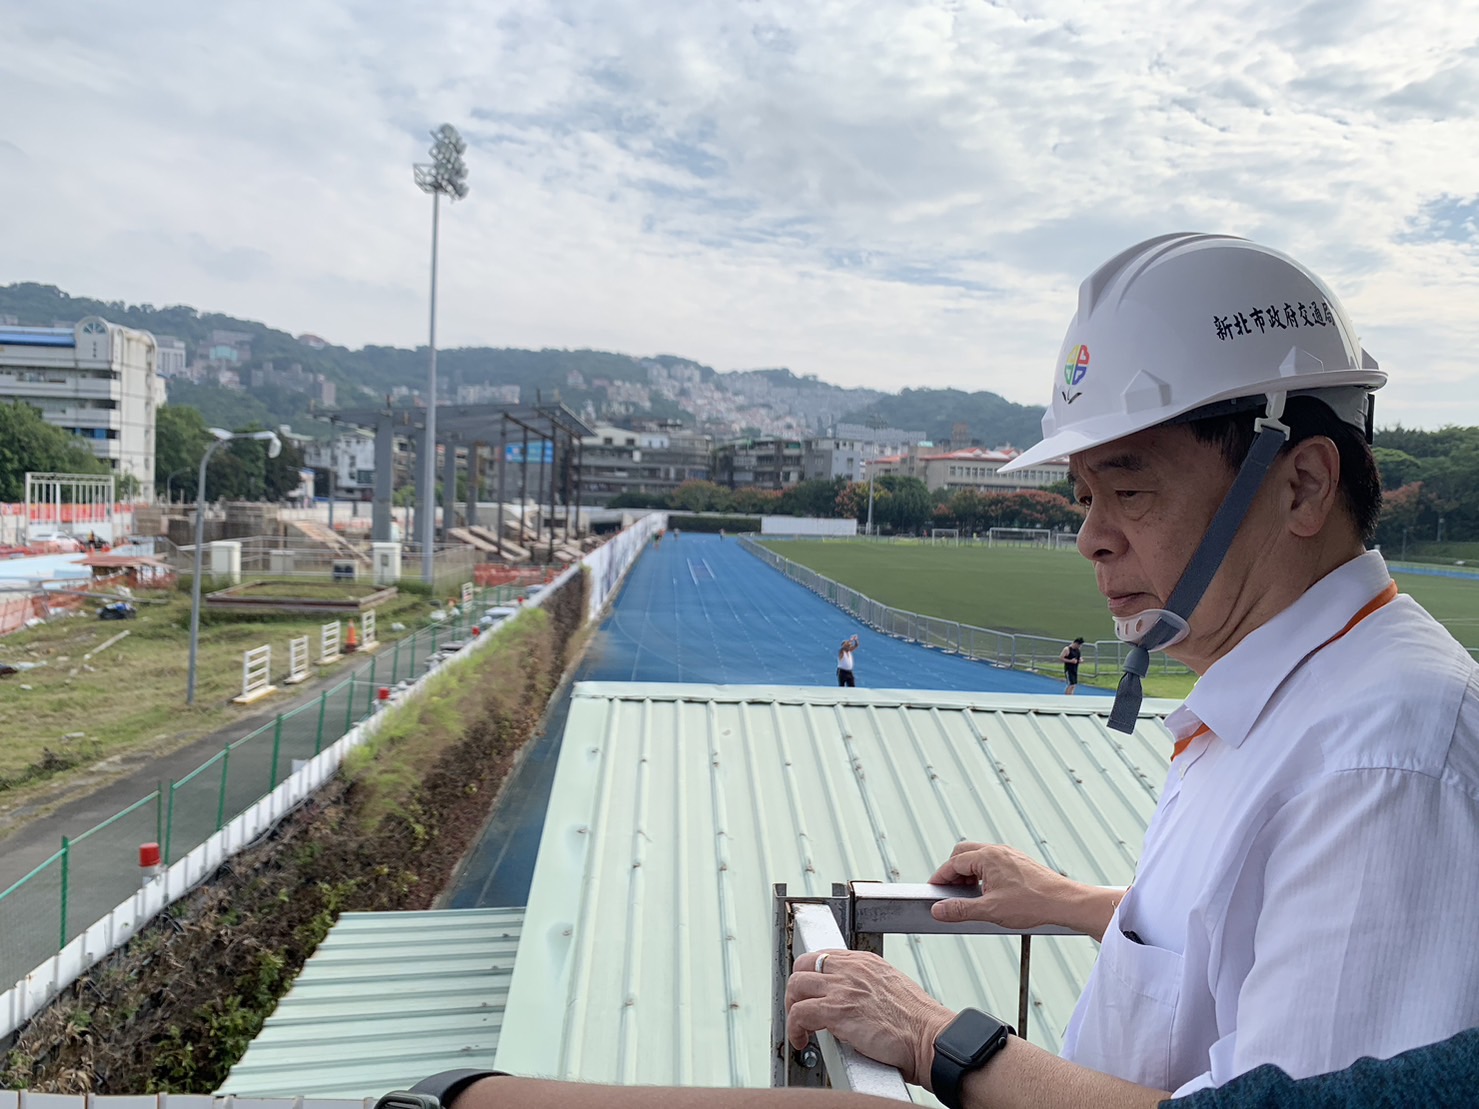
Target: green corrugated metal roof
675,808
387,999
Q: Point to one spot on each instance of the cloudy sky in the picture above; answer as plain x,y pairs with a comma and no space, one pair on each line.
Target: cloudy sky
882,193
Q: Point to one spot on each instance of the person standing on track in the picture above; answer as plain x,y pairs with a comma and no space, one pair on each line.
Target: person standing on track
844,663
1071,656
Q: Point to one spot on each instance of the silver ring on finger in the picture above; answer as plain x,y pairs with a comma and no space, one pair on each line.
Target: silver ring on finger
821,961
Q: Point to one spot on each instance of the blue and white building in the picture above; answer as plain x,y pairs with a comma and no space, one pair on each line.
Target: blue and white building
95,380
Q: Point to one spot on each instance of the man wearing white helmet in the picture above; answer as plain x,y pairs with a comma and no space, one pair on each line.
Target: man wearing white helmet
1307,893
1308,890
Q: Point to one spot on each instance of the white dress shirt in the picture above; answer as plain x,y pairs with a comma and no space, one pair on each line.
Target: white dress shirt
1308,892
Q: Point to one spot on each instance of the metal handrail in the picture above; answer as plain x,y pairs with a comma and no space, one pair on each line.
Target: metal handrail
856,917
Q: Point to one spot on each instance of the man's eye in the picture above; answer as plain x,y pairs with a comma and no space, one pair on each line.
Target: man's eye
1127,494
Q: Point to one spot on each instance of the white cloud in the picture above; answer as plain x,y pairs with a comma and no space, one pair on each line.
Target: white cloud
897,192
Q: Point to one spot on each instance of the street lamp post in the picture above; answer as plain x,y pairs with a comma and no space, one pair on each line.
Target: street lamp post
445,175
169,495
274,448
875,424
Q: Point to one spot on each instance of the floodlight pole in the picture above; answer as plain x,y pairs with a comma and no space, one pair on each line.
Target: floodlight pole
874,424
446,173
429,523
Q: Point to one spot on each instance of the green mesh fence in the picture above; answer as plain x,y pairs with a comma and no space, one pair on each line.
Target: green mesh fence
194,806
31,921
99,869
103,863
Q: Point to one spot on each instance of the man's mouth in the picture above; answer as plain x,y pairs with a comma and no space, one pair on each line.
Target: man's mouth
1127,604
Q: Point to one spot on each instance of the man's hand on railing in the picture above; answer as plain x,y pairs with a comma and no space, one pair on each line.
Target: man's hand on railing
865,1002
1018,892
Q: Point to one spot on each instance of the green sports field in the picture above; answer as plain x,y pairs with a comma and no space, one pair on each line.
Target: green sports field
1011,589
1041,592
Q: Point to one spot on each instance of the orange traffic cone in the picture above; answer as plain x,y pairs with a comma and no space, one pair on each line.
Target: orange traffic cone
351,639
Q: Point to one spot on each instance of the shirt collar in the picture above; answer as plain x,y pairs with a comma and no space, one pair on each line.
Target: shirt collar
1232,694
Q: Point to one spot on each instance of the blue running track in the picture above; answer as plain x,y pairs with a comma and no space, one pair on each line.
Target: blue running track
700,609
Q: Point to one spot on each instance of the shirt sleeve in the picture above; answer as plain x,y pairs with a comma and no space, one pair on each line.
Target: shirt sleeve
1363,942
1439,1076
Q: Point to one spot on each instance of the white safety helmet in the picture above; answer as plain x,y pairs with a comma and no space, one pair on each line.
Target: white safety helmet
1186,325
1183,321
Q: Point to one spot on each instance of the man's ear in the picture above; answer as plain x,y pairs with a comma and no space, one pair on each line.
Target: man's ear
1311,474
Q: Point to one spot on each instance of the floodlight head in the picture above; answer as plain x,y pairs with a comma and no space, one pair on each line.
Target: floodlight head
447,172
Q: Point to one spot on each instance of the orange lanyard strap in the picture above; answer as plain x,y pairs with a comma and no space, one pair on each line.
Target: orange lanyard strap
1385,597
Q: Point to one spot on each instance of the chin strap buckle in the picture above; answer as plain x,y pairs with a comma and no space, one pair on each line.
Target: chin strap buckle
1273,417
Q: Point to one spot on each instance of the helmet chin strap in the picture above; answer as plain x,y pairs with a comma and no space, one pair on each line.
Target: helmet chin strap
1170,625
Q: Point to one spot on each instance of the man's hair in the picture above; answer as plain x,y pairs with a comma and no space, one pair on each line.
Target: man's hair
1078,639
1307,417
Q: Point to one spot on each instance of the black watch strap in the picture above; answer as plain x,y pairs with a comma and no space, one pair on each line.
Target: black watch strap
968,1043
449,1083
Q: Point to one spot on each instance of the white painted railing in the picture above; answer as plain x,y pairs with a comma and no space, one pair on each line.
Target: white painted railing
256,674
297,660
328,643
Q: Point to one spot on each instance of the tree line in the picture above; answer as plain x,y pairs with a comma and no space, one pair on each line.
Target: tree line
1430,481
901,505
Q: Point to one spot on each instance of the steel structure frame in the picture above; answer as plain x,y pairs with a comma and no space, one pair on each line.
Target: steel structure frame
476,427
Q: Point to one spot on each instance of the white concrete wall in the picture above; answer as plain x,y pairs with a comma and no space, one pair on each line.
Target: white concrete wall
807,525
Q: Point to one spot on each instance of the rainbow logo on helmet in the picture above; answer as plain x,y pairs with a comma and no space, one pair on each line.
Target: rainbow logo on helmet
1077,365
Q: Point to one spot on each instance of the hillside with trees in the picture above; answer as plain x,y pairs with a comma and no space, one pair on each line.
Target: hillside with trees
579,378
987,418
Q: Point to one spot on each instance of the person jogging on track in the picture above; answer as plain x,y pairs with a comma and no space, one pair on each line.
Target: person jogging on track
845,675
1071,656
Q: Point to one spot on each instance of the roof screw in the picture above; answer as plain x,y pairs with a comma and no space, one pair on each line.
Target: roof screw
809,1056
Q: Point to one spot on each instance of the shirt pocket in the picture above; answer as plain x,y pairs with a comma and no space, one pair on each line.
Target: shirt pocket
1128,1029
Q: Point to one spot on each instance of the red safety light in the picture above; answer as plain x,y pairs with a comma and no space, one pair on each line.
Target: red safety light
384,693
149,854
476,631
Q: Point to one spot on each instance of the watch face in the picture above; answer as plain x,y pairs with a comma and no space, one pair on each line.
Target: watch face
968,1035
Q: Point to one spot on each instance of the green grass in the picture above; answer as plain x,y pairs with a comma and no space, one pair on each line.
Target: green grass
1464,553
1045,593
131,697
309,589
1010,589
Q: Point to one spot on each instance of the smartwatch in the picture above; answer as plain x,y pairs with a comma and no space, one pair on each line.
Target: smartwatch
968,1043
436,1092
